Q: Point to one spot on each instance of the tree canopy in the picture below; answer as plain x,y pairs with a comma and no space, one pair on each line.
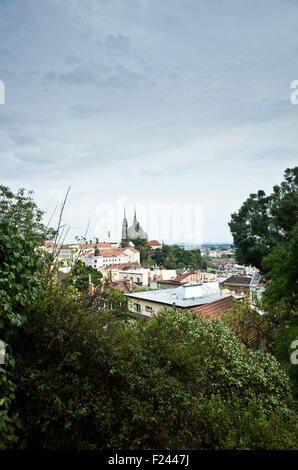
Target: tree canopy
19,289
264,222
174,257
172,382
282,274
21,211
79,276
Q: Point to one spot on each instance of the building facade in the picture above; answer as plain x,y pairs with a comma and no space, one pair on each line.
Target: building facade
194,296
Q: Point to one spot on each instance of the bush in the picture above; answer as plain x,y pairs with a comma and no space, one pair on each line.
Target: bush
18,288
175,381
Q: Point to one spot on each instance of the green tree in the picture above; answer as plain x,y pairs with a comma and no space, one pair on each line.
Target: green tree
254,329
18,290
79,276
144,249
282,274
21,211
281,346
175,257
18,284
172,382
113,301
264,222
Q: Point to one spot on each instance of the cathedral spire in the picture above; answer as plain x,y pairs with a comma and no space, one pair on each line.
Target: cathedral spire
135,215
124,237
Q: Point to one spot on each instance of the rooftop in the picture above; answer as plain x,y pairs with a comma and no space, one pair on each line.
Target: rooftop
123,266
153,243
187,295
238,280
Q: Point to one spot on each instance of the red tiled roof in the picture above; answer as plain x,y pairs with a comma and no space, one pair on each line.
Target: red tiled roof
182,277
112,252
121,266
123,286
108,253
154,243
50,244
131,248
214,310
88,245
238,281
173,281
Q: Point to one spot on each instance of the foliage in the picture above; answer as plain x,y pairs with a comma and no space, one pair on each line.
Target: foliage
8,420
174,381
79,276
144,249
21,211
18,285
113,301
274,330
264,222
282,272
18,289
281,348
174,257
251,327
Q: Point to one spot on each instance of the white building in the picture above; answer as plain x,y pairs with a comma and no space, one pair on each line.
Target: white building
138,276
132,253
100,259
188,296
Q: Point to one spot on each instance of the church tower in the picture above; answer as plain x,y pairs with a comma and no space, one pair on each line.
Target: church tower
135,221
136,231
124,237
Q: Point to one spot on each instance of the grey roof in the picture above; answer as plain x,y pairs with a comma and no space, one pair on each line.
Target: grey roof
239,280
171,296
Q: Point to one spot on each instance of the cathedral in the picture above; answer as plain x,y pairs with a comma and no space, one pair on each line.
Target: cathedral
132,232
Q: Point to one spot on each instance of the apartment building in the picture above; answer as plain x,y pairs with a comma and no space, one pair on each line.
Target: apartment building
194,296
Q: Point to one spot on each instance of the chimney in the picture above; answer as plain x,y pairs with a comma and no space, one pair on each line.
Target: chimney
91,286
91,289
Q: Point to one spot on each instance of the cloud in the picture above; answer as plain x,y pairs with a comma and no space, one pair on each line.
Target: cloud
97,74
118,46
79,76
125,78
84,111
23,140
161,100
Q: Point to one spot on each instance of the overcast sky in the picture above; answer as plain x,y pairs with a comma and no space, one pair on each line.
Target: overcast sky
179,103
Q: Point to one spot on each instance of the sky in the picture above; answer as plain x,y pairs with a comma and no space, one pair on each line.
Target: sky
181,108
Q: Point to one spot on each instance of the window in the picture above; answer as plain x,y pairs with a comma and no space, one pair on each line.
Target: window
138,307
148,309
